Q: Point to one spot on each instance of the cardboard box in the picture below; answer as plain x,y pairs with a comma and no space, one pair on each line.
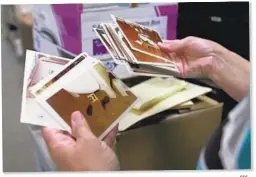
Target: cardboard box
173,144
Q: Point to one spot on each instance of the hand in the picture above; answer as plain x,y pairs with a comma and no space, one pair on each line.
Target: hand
195,57
201,58
82,152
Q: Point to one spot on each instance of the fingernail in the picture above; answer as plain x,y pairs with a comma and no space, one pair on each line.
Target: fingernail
77,117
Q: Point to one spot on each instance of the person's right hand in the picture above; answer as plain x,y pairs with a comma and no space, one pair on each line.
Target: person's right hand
196,57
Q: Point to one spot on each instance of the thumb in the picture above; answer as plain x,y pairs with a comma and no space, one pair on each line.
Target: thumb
80,127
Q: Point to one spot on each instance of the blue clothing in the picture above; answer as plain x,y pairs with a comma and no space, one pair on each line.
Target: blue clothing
230,145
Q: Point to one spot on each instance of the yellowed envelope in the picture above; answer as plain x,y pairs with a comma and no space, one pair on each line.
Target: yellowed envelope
191,91
155,90
184,105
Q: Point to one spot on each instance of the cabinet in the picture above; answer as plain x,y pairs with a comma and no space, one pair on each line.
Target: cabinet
224,22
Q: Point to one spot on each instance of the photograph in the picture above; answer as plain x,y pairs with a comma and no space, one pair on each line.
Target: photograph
142,39
43,66
38,67
110,45
100,97
70,73
136,56
115,44
102,35
117,36
39,88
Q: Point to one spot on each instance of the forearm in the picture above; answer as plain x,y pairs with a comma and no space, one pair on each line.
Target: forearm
232,74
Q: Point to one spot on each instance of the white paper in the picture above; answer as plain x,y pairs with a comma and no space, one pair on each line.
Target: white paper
32,112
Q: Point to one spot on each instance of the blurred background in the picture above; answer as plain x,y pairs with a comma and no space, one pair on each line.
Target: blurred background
18,145
46,28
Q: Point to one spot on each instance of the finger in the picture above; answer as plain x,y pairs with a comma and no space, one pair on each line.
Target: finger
198,68
172,46
50,136
110,138
58,143
80,127
178,62
170,41
182,65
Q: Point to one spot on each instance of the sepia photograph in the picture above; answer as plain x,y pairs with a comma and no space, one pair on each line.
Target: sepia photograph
102,100
142,39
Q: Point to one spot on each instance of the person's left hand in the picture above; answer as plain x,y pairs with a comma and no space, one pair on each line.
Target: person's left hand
82,152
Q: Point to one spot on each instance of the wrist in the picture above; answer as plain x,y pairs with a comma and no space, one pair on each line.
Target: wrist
231,73
219,63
